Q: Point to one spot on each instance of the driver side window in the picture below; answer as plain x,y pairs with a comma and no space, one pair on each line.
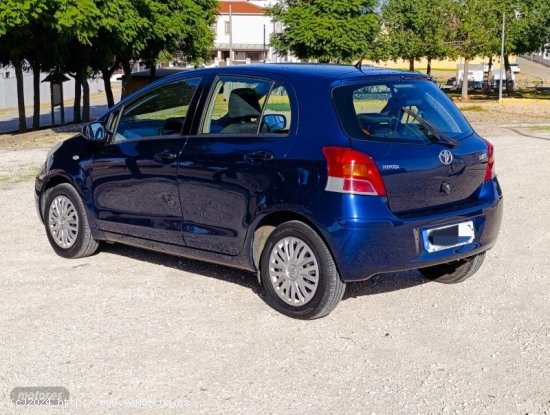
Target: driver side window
159,112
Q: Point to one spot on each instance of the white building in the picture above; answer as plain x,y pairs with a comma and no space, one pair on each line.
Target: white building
244,29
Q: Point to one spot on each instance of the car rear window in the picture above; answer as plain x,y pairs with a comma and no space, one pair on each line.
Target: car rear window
375,111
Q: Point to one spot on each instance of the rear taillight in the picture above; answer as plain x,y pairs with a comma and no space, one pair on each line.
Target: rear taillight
350,171
490,172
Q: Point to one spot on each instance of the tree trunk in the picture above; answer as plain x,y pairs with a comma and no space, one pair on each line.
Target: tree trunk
465,79
61,105
85,96
36,97
18,65
490,75
77,118
127,68
106,74
429,68
411,64
509,81
152,69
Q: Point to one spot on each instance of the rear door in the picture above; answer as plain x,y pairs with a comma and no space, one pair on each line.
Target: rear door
234,166
421,172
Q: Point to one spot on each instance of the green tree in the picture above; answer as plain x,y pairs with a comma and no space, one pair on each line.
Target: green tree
149,27
326,30
415,29
527,28
473,26
77,22
16,19
34,32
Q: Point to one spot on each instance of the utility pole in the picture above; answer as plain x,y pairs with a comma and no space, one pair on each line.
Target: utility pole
230,36
501,59
264,51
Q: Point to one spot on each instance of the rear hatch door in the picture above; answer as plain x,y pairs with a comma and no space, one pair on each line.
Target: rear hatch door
427,153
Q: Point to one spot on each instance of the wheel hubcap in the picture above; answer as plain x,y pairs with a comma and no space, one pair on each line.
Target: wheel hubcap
293,271
63,222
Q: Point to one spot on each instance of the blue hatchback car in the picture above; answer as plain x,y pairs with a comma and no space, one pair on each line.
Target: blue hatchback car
311,176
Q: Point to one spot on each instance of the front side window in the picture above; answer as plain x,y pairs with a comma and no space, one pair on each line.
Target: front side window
244,106
392,111
159,112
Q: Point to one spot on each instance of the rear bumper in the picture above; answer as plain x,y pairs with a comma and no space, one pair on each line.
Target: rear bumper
368,239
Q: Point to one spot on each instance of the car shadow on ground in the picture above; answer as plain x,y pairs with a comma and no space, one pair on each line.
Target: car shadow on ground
379,284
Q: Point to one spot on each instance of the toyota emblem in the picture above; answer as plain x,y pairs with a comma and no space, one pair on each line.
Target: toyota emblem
446,157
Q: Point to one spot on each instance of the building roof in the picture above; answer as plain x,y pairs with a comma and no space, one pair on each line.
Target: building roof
240,7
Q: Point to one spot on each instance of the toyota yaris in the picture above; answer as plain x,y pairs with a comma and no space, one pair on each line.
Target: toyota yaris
311,176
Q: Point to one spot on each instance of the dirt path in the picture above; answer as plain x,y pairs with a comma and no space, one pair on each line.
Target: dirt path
134,328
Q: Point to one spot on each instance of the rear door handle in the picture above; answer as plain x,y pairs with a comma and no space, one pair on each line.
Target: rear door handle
259,156
166,156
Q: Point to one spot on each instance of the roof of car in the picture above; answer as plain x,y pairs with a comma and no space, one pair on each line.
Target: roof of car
312,69
297,71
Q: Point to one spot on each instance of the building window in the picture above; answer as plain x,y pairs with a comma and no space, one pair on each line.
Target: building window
227,27
253,56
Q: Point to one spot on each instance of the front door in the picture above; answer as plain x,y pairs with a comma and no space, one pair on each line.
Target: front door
233,168
134,177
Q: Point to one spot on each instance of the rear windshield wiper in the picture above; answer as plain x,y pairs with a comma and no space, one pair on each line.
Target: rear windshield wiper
438,134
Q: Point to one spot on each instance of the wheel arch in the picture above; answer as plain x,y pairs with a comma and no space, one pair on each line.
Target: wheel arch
50,183
267,224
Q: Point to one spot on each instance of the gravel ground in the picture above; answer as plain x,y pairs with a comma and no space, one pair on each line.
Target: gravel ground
129,328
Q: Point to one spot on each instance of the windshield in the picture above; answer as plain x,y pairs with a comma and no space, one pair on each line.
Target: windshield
390,112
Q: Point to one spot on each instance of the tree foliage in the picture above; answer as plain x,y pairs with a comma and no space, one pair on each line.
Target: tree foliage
85,37
416,29
326,30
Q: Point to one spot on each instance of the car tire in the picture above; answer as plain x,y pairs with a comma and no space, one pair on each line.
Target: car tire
298,273
67,224
454,272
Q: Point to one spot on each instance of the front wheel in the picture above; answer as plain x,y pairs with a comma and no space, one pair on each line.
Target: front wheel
454,272
299,274
66,223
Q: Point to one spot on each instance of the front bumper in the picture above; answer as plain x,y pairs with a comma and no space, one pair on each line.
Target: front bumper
39,183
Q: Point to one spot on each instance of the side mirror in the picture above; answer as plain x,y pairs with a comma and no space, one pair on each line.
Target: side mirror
95,132
273,123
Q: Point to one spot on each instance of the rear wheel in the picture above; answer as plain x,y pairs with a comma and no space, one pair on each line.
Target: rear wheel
66,223
298,272
454,272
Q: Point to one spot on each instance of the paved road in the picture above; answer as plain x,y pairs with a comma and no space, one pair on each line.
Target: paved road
9,119
534,70
129,327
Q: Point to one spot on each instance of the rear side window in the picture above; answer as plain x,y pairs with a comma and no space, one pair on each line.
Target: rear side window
382,112
247,106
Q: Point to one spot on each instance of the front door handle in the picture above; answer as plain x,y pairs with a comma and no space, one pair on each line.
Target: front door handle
166,156
259,156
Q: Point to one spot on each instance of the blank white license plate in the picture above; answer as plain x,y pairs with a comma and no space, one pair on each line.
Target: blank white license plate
445,237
